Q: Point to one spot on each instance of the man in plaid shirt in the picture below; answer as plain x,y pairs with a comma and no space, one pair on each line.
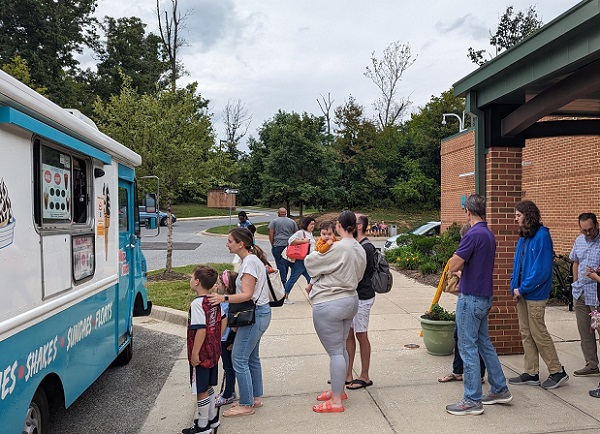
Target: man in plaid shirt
586,253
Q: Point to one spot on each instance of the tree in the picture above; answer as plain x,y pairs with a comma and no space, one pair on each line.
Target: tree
47,34
512,29
416,177
326,110
294,154
18,69
169,28
170,130
237,121
386,74
360,180
129,51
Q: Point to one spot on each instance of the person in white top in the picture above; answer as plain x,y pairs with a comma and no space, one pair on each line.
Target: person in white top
303,236
251,283
335,303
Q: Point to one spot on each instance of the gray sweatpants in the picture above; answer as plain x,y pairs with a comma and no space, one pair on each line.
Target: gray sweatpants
332,321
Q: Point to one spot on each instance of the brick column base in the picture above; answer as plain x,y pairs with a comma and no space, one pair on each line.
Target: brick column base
503,191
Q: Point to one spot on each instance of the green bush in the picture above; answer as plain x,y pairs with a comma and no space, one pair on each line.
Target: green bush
429,267
424,245
438,313
405,257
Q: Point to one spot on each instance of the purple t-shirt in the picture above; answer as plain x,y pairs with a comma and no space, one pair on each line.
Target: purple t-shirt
478,249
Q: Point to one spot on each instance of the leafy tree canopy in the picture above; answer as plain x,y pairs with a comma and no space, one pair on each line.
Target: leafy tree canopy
47,34
512,29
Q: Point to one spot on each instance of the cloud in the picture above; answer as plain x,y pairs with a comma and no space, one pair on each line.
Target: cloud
467,25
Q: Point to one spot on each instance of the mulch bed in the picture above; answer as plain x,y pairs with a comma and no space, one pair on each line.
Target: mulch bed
426,279
168,277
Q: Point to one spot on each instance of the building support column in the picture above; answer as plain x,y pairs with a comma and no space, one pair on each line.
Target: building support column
503,191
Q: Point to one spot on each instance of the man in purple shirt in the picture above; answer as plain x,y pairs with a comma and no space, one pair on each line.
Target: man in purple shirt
475,258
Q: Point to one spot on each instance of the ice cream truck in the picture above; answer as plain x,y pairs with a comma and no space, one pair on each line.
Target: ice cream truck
72,272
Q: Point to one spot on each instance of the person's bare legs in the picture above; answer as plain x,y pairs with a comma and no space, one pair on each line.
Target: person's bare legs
351,348
365,356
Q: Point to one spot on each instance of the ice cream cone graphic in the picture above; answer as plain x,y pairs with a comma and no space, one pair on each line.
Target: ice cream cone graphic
106,218
7,220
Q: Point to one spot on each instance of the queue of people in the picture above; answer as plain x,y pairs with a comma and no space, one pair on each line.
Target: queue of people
338,273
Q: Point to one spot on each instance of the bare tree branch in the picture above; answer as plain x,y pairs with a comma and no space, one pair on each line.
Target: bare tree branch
237,122
326,109
169,28
386,74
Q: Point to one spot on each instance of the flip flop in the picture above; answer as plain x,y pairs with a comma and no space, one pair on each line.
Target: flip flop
326,407
359,384
327,395
237,411
451,377
346,382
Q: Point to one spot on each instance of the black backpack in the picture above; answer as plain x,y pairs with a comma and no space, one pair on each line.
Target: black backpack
381,280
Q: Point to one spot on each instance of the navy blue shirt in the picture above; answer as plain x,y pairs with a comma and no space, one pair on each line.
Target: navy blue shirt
478,249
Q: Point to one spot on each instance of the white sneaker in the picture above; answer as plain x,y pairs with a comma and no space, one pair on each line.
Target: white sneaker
288,301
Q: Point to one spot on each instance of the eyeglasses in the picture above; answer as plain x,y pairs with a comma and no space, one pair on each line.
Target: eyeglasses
589,231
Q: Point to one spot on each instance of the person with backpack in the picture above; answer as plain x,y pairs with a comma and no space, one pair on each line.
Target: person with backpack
360,323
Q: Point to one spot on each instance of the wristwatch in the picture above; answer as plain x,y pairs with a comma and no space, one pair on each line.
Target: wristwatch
226,298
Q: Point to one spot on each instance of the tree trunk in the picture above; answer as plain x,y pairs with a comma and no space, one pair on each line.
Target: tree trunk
169,264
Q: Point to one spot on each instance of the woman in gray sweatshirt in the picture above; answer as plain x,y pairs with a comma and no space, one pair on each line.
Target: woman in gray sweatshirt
336,274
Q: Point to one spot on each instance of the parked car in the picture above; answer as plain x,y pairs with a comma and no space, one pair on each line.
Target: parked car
162,216
429,229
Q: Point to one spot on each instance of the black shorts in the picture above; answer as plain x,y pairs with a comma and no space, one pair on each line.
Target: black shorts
202,378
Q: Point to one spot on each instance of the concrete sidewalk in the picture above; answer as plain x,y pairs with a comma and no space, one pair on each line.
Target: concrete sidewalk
405,397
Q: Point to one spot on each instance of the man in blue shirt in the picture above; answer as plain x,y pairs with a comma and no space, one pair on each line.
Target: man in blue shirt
586,253
475,257
530,286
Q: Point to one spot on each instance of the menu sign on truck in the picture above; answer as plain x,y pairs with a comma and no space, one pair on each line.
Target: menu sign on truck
57,193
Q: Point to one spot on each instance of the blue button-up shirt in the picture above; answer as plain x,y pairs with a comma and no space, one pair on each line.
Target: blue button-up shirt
586,254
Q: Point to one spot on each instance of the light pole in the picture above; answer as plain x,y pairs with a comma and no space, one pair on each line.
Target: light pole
461,121
230,192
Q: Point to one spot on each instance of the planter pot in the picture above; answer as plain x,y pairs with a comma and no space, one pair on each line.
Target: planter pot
438,336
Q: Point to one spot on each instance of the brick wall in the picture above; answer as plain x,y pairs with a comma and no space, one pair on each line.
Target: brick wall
562,176
457,161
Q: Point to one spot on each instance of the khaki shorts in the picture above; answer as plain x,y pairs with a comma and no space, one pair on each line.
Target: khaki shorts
360,323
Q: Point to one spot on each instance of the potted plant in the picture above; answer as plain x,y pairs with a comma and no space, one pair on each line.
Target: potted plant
438,330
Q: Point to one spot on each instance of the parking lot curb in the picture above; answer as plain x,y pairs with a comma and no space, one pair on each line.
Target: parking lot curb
169,315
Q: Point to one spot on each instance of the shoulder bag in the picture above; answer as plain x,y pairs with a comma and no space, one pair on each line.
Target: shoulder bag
276,289
298,251
241,314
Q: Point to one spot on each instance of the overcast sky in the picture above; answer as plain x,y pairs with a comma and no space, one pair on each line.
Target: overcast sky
278,54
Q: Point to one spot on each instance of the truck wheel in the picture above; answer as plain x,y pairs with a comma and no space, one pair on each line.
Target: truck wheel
163,221
36,420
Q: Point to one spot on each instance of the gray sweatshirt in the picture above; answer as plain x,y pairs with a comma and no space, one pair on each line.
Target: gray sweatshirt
337,271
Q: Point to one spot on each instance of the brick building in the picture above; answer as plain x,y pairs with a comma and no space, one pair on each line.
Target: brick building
536,132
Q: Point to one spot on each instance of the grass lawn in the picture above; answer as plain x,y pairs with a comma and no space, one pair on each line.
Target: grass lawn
196,210
176,294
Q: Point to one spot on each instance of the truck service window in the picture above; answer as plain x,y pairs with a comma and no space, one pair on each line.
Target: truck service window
62,185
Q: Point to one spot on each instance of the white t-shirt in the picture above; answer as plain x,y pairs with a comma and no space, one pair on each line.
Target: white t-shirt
254,266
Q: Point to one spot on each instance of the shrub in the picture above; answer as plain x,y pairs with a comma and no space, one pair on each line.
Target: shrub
405,257
438,313
429,267
424,245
